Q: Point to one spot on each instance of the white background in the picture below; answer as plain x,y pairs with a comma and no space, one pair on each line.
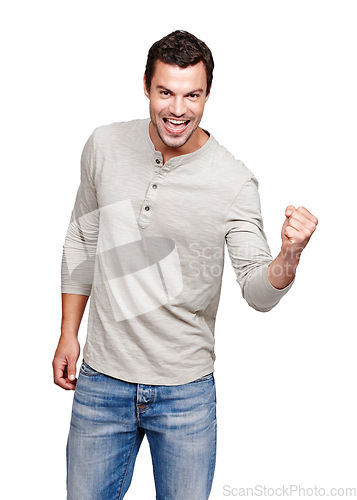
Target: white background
283,101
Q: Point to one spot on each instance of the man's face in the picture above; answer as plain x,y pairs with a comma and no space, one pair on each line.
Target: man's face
177,100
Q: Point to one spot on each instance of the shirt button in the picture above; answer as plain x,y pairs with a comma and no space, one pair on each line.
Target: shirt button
147,208
158,161
154,186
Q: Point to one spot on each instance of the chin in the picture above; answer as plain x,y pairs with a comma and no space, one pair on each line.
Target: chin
173,141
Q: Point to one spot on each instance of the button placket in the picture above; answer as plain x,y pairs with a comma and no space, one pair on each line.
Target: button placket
158,160
150,198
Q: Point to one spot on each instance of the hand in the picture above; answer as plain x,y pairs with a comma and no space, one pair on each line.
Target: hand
296,232
64,362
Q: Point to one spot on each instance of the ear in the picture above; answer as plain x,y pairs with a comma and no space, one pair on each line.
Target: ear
145,89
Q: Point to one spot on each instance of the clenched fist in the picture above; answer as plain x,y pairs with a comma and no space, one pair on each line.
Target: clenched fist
295,234
297,230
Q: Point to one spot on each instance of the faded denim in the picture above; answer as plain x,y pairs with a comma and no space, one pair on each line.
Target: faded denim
109,419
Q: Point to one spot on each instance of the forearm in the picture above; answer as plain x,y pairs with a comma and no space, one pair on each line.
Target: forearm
281,271
73,306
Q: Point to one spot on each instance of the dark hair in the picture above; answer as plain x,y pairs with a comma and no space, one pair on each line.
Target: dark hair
180,48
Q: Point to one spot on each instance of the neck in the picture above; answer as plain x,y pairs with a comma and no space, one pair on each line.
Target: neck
196,141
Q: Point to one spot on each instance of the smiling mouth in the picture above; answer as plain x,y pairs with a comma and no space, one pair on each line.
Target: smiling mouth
175,126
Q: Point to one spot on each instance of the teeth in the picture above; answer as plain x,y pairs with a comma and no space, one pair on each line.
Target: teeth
177,122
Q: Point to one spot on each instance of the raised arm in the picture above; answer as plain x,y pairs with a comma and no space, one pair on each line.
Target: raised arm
249,250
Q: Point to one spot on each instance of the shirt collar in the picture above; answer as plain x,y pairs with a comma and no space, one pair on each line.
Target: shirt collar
176,160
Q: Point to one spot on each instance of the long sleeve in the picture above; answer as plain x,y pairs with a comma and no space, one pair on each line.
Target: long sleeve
79,249
249,250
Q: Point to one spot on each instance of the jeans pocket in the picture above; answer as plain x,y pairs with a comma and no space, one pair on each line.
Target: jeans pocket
205,377
87,370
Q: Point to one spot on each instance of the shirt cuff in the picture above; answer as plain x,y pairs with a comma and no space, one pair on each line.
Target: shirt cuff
266,296
76,290
277,292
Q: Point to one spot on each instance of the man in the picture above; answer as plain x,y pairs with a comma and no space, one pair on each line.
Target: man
158,200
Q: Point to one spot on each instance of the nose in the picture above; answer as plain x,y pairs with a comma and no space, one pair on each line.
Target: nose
178,106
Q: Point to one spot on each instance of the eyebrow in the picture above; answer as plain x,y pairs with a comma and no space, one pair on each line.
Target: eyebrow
168,90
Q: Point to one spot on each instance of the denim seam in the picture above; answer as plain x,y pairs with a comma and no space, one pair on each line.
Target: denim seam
213,463
127,465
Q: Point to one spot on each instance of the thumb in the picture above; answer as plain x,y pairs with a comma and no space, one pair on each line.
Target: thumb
289,210
71,368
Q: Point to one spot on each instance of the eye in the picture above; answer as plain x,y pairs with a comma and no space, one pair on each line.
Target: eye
165,93
193,96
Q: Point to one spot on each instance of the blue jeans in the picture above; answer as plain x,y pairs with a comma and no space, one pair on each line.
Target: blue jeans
109,420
